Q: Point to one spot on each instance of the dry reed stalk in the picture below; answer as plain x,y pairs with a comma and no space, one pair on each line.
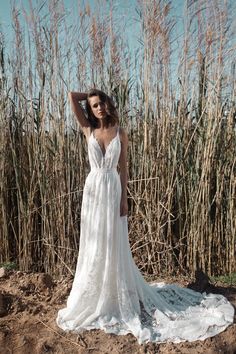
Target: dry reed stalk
181,152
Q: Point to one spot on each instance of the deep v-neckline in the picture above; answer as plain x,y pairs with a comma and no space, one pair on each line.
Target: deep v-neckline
104,153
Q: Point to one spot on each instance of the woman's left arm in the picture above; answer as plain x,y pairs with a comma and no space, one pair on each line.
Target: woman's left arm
123,172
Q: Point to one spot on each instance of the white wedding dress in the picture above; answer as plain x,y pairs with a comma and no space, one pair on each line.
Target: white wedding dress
108,290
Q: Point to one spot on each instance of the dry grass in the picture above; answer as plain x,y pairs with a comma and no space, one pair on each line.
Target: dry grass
182,143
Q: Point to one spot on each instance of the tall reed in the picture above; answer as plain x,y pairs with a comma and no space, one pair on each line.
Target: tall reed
181,124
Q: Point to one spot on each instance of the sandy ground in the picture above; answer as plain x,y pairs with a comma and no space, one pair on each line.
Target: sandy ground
28,307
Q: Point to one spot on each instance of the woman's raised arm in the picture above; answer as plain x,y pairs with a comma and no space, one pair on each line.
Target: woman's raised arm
74,98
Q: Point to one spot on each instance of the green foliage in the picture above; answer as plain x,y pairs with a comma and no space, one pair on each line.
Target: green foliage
229,279
8,265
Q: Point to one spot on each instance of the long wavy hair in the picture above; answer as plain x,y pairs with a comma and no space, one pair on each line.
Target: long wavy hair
112,113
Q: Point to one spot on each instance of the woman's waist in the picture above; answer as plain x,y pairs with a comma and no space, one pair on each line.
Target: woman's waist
103,169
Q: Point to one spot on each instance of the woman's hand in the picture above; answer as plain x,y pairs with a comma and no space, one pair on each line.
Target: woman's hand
123,206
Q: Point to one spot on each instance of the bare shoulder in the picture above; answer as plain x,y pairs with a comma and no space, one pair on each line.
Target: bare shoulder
123,135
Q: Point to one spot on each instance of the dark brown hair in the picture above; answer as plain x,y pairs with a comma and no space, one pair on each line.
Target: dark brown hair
110,107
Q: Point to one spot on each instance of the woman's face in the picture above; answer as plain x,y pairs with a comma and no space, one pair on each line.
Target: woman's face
98,107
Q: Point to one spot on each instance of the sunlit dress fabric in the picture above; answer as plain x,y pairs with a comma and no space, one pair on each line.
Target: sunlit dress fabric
109,292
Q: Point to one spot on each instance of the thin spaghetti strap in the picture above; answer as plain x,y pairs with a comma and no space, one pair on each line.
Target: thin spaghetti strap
91,131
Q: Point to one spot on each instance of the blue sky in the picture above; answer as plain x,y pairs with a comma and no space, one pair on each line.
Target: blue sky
125,12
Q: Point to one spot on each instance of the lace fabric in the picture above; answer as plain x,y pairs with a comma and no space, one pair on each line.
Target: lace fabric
109,292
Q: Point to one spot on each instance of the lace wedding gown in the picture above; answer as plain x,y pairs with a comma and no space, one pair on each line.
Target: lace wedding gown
108,290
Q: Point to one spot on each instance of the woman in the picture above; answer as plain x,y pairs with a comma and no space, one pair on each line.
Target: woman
108,291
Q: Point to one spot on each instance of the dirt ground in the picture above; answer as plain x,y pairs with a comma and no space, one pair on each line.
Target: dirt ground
28,307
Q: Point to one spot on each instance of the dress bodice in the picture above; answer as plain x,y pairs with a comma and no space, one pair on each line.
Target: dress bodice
97,158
